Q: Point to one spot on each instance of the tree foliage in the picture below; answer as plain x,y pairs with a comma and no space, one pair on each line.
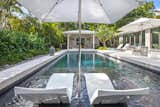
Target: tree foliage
142,11
16,46
108,32
105,33
6,9
52,34
28,33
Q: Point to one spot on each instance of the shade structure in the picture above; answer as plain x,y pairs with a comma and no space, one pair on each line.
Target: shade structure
94,11
140,25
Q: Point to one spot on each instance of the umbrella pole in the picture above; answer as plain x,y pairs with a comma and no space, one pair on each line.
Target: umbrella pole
79,49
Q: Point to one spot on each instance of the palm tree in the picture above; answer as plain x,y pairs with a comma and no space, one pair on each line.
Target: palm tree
105,33
6,9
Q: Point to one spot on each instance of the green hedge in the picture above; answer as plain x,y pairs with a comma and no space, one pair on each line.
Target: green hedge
16,46
102,48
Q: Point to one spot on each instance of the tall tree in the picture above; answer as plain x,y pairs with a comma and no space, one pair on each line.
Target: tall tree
105,33
6,9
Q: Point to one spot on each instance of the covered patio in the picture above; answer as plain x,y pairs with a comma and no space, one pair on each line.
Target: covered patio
88,39
142,32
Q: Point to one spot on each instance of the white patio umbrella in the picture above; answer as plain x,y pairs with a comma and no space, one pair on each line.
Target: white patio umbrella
140,25
94,11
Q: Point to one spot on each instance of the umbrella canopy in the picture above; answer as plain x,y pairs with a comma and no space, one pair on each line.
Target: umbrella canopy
140,25
94,11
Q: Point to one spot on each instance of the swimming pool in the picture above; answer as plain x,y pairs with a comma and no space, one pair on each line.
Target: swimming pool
123,76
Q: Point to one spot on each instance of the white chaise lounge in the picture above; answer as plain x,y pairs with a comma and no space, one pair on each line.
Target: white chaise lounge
101,90
119,46
58,90
126,47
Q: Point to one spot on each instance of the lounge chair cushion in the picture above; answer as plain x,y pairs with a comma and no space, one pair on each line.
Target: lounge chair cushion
95,81
58,90
116,96
41,95
101,90
61,80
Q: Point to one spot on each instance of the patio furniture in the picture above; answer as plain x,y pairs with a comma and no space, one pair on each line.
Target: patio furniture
120,46
56,92
126,47
144,51
141,50
101,90
42,95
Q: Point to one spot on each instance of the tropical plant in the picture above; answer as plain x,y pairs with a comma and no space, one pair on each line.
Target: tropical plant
16,46
105,33
142,11
28,37
6,9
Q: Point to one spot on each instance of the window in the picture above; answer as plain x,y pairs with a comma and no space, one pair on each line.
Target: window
82,41
77,41
143,38
155,38
137,38
132,40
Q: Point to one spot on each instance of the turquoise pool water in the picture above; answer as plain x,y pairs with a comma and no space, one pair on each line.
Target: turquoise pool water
123,76
89,63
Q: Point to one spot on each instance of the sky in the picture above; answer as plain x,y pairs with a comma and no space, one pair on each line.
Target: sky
156,3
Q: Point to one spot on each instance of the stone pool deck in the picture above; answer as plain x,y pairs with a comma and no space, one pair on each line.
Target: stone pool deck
13,74
151,62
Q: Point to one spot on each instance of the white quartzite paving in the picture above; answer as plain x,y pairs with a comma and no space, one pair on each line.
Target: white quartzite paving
145,61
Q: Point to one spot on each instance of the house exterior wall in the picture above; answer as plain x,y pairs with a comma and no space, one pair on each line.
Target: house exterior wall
121,40
86,41
148,38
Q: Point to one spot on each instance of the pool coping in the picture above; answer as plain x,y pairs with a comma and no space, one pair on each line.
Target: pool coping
145,65
10,76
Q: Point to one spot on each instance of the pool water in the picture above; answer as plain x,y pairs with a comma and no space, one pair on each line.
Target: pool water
89,63
123,76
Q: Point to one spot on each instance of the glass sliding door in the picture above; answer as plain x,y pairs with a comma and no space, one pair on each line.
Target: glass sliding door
143,38
155,38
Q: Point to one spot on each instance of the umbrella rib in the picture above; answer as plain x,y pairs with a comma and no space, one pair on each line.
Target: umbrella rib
52,8
101,5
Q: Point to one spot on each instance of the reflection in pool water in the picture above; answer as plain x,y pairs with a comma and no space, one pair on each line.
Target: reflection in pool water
123,75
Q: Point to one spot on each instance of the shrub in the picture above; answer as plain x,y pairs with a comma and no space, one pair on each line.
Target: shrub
16,46
102,48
